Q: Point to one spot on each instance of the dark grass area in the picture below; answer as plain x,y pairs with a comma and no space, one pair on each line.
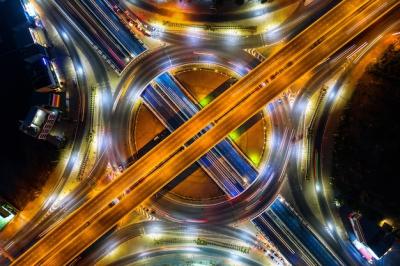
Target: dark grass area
24,161
367,146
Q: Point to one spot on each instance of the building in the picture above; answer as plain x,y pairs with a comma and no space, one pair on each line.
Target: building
39,35
30,45
39,68
27,27
7,212
39,122
371,240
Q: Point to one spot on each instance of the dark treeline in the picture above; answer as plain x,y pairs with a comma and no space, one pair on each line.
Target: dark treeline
367,144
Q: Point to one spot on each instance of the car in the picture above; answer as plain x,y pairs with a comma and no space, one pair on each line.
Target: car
113,203
117,9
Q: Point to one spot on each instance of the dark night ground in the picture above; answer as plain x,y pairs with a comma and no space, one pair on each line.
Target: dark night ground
367,147
24,161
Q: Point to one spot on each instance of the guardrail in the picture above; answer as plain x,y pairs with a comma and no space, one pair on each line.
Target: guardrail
211,27
310,130
89,136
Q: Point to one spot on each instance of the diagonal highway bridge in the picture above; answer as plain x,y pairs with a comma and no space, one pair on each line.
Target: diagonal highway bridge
227,112
224,163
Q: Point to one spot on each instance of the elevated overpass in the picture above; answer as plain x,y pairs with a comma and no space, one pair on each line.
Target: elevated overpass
227,112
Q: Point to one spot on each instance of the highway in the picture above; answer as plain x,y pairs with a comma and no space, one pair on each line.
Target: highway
162,111
103,30
292,50
251,201
168,230
247,205
325,201
118,129
335,237
105,15
302,17
170,115
232,173
49,214
250,105
161,102
224,163
207,17
291,235
201,255
231,192
331,236
281,240
284,218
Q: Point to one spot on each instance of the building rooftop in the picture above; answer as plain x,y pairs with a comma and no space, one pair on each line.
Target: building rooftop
377,239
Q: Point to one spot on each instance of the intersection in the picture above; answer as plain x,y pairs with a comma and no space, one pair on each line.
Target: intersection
199,134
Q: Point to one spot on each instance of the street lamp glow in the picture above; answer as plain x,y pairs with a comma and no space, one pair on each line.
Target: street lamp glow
192,30
79,70
317,188
64,35
330,226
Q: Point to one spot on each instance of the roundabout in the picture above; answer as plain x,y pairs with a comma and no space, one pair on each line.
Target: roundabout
199,132
269,160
